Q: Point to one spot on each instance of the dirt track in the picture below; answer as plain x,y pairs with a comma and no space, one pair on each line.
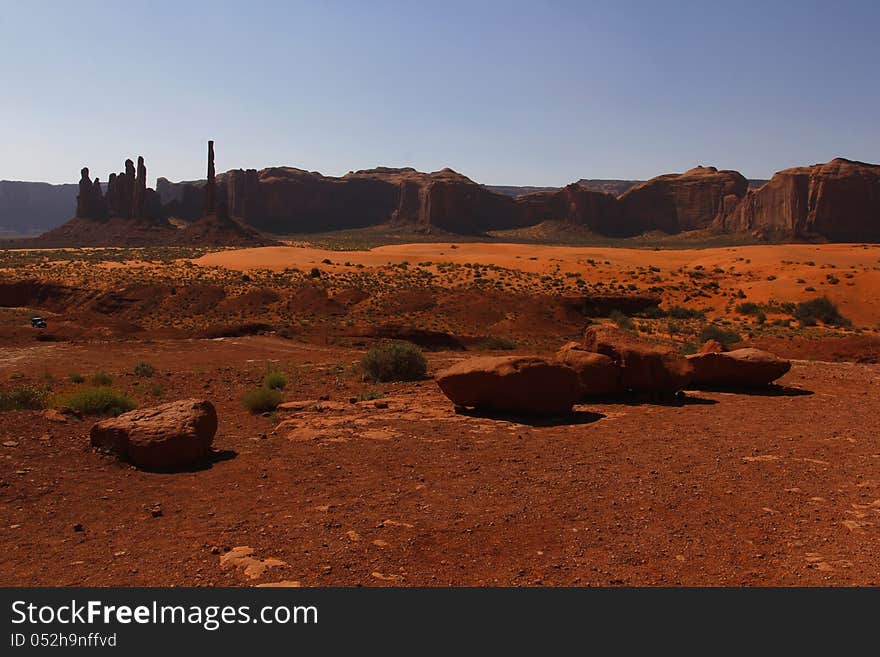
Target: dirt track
724,489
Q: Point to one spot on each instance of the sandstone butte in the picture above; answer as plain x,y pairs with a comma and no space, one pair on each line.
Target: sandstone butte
837,201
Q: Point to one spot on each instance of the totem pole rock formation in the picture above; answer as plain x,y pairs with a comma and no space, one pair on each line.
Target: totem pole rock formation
211,185
90,200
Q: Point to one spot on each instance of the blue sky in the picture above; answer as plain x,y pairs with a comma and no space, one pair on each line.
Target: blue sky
531,93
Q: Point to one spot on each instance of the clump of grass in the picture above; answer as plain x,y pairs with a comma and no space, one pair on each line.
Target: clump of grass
370,394
261,400
97,401
682,312
21,398
394,361
144,369
748,308
725,336
622,321
822,309
101,379
275,380
497,342
76,378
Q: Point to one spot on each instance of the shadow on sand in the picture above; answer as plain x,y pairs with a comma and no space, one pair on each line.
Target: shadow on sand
765,391
216,456
573,418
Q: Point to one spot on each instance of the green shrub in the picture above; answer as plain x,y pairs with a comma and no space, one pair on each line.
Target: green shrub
97,401
275,380
497,342
725,336
653,312
822,309
101,379
681,312
749,308
261,400
144,369
22,397
394,361
76,378
621,320
371,394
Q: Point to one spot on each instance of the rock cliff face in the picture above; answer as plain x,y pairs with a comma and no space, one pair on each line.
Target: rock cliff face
574,204
674,203
838,200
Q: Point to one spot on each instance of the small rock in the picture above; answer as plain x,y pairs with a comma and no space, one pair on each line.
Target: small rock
54,416
10,443
78,528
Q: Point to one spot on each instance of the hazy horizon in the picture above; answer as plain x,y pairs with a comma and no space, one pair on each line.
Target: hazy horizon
514,94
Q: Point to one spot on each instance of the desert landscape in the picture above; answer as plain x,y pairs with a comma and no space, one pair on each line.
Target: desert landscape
325,470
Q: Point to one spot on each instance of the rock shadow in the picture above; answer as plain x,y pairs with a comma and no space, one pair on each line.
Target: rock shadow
772,390
643,399
569,419
216,456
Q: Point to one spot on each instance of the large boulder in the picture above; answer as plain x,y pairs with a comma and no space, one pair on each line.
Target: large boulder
165,437
597,373
644,366
521,385
740,368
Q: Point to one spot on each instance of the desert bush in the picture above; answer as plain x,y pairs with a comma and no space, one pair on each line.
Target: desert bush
370,394
653,312
261,400
97,401
394,361
621,320
681,312
144,369
22,397
101,379
497,342
748,308
76,378
821,309
275,380
725,336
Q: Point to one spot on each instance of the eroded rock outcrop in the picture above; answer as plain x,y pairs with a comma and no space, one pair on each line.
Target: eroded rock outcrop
166,437
519,385
576,205
679,202
838,200
597,373
644,366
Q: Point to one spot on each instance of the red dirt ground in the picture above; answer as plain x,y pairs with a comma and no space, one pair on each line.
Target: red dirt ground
739,489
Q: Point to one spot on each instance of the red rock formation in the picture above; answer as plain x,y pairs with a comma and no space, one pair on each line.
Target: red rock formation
576,205
675,202
839,200
90,201
210,186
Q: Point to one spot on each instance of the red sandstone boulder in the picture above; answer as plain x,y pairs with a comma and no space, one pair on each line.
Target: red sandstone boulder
740,368
597,373
644,367
521,385
173,435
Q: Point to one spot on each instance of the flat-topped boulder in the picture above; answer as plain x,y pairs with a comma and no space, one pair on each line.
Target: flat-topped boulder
165,437
740,368
520,385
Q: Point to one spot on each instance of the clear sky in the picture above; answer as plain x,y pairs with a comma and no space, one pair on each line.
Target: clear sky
531,93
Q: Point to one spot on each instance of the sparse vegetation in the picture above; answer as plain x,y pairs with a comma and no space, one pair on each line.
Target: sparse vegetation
76,378
622,320
101,379
22,398
261,400
394,361
494,342
370,394
97,401
275,380
725,336
821,309
682,312
144,369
